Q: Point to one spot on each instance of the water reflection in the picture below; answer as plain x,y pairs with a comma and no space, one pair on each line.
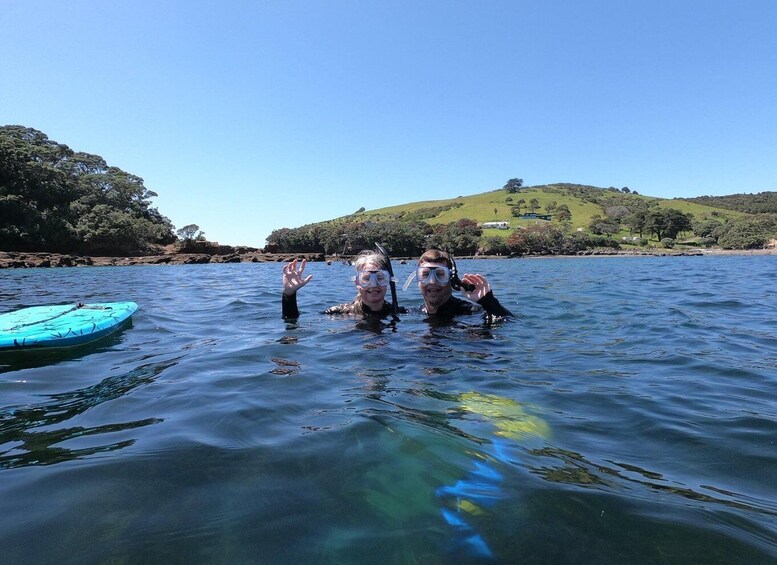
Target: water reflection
376,325
575,469
285,366
27,445
15,360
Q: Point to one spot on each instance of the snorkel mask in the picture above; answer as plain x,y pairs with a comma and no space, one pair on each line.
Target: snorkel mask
366,279
440,274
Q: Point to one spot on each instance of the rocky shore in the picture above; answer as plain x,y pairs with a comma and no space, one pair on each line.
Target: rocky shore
23,260
11,260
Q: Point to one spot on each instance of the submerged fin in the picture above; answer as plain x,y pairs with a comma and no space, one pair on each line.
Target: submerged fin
483,470
470,508
478,545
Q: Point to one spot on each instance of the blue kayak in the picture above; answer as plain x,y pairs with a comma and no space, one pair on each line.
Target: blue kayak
62,325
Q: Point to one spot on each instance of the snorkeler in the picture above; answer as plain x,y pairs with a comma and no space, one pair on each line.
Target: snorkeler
438,278
372,280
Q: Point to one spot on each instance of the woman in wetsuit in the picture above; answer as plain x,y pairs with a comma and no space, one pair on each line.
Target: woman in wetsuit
372,281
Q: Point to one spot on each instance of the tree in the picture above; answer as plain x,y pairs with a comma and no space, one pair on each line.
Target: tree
760,203
705,228
636,222
654,223
676,222
603,226
55,199
513,185
747,233
563,214
617,212
537,239
534,204
461,237
493,245
666,223
190,233
398,237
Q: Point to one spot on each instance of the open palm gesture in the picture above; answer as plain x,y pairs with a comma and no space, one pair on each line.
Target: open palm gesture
292,277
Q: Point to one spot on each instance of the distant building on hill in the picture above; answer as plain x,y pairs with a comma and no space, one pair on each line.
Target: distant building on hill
533,216
495,225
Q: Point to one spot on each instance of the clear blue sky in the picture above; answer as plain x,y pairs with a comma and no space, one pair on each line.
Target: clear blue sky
247,116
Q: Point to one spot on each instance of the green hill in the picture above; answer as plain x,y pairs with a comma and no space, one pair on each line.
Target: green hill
584,203
547,219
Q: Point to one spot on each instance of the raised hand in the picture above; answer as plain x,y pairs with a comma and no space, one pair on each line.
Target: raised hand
292,277
481,286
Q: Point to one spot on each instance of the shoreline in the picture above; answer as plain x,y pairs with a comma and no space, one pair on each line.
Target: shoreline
664,253
28,260
31,259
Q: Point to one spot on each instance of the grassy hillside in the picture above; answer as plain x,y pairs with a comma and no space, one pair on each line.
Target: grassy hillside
583,202
589,217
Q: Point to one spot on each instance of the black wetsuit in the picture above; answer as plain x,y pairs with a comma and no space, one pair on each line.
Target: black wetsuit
458,307
289,308
453,307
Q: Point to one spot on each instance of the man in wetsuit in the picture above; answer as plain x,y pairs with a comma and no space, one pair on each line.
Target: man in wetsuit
437,279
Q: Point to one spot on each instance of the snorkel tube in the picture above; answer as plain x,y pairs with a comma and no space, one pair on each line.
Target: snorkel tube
456,282
392,284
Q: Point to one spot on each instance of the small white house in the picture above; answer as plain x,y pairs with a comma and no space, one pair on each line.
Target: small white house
495,225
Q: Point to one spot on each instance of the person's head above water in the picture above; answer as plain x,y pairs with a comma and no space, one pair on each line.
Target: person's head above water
369,258
372,278
438,278
436,256
434,278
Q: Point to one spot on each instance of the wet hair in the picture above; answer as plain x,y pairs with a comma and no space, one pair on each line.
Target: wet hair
368,257
364,258
436,256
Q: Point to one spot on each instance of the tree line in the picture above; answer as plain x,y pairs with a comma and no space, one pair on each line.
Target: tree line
55,199
403,238
410,239
761,203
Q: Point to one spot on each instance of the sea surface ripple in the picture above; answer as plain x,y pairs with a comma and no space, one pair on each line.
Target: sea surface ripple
627,414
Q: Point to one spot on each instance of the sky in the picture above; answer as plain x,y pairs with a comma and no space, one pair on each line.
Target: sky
250,116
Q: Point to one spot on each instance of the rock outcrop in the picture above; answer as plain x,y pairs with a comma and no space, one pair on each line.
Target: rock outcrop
12,259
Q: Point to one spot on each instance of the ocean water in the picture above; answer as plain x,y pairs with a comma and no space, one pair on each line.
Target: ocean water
627,415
